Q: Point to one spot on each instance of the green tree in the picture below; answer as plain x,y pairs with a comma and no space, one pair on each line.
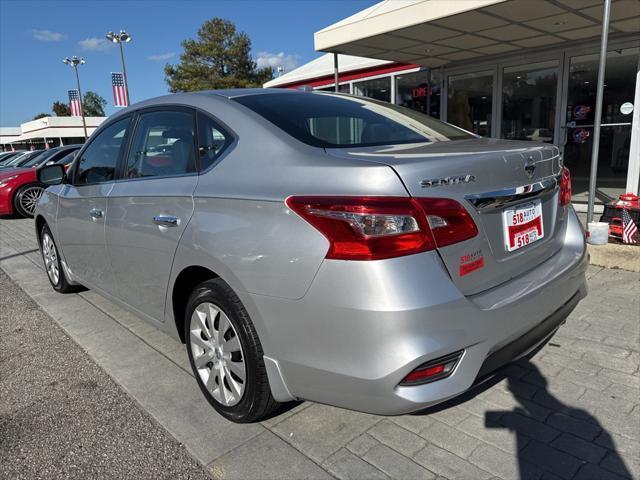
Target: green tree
61,109
93,104
219,58
41,115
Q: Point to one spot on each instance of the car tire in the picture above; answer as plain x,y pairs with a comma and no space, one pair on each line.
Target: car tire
222,343
53,264
26,198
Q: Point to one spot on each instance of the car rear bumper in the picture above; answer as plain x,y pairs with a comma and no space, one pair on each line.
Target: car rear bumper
363,326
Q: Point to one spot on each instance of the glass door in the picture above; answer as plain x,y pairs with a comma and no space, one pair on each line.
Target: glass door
420,91
529,101
470,101
615,132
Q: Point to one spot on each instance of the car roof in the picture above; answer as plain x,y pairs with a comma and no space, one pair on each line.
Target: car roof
241,92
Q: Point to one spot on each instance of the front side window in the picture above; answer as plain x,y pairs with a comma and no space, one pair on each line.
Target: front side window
98,161
162,145
331,121
211,141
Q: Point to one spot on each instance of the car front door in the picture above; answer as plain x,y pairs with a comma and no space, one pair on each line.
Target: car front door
83,206
150,206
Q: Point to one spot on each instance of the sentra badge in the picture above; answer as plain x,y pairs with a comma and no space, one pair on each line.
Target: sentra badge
454,180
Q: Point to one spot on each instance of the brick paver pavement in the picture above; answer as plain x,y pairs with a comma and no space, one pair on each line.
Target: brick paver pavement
573,411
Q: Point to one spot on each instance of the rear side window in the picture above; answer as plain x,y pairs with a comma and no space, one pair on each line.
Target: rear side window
163,145
211,141
99,159
331,121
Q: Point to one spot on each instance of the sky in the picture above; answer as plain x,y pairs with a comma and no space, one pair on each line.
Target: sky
35,36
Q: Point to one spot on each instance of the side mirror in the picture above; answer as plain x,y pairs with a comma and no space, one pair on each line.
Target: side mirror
51,174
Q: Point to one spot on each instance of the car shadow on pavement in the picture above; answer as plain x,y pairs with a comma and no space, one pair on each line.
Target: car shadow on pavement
529,452
550,455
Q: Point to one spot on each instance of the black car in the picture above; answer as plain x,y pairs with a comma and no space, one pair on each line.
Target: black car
50,156
20,159
6,157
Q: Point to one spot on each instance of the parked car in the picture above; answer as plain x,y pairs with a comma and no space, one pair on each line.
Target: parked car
18,160
50,156
6,156
20,189
318,246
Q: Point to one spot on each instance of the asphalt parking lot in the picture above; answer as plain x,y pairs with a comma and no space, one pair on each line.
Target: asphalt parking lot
573,411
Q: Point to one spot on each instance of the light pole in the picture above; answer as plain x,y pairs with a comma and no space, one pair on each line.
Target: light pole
74,62
119,38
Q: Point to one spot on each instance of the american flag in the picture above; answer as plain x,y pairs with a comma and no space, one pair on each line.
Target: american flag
74,103
119,92
629,228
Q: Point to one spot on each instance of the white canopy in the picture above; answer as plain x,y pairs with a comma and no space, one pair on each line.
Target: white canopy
437,32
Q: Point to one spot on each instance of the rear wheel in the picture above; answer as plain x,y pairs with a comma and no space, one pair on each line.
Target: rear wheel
52,263
26,199
226,355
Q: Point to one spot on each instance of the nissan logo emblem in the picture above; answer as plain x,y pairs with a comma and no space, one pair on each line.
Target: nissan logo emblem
529,167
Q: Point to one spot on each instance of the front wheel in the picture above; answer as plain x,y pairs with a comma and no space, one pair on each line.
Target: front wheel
226,355
26,199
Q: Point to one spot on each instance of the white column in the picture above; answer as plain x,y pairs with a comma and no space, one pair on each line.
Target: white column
633,173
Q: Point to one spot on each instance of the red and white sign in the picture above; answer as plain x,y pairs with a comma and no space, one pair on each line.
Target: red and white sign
522,225
470,262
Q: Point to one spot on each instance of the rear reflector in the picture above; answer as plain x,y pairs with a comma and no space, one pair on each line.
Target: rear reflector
433,370
565,186
374,228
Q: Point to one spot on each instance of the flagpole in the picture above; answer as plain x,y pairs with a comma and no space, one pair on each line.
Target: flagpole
120,38
124,72
84,123
74,62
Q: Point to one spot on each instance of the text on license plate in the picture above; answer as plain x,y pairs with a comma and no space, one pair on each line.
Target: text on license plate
522,225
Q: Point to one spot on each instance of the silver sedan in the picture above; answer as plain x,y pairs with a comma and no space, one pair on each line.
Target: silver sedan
317,246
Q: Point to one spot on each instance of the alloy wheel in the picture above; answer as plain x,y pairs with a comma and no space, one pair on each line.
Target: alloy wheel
217,354
50,258
29,198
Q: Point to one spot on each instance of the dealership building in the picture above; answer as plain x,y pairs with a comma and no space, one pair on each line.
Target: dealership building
54,131
515,69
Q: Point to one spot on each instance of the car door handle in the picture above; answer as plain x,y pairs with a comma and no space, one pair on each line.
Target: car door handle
166,220
95,213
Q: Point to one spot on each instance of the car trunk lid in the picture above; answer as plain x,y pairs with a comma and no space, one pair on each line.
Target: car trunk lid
486,176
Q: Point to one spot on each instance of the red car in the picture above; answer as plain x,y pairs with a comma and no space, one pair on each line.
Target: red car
19,187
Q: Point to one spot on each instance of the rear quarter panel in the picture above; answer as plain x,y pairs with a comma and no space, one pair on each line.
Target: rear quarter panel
241,228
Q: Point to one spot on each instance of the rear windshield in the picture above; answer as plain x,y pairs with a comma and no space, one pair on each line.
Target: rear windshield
333,121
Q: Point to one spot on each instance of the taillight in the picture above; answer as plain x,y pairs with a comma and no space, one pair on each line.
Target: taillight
450,223
374,228
565,186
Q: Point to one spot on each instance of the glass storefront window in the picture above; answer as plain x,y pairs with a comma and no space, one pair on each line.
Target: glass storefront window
529,102
342,88
378,89
469,102
420,91
615,132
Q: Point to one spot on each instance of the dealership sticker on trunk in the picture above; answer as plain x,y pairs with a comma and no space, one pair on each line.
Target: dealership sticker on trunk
470,262
522,225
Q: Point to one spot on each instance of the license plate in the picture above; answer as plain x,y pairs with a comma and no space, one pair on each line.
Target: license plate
522,225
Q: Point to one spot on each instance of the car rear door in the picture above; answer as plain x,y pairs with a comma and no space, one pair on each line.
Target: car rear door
150,206
83,205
